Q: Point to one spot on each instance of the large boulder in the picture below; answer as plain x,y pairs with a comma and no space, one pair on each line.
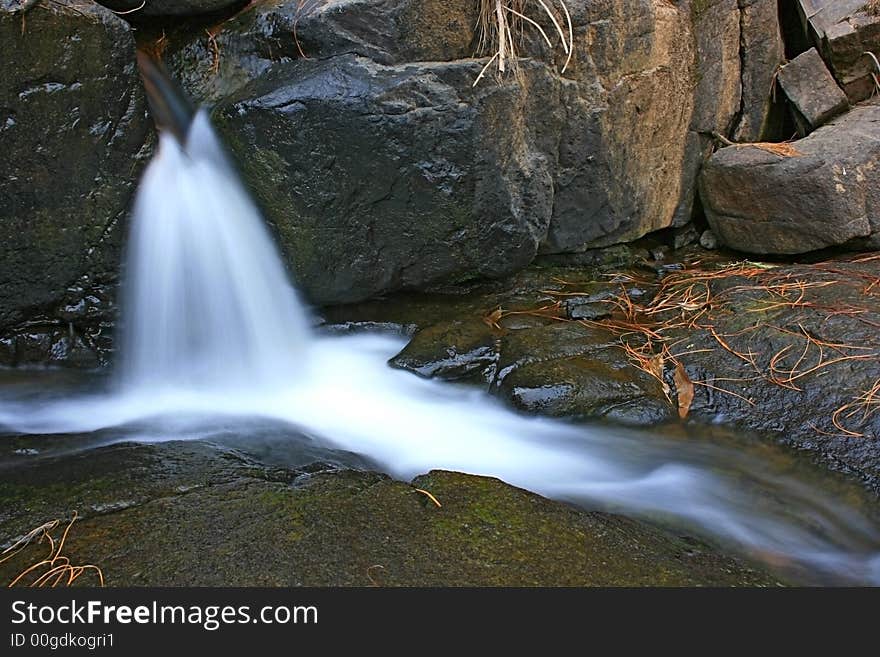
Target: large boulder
818,192
382,167
73,125
373,173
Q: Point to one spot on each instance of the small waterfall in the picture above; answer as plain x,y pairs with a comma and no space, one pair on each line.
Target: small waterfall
207,302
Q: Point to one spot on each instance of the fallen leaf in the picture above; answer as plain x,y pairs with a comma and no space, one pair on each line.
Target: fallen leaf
684,388
655,365
493,318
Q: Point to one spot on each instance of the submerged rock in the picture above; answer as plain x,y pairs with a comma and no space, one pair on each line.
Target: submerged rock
73,126
187,514
822,191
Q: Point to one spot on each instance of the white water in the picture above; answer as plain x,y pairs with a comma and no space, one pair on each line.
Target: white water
214,334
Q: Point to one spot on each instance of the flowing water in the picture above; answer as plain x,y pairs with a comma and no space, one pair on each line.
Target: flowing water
215,342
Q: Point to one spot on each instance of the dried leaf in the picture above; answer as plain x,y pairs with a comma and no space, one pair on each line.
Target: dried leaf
494,317
655,366
685,389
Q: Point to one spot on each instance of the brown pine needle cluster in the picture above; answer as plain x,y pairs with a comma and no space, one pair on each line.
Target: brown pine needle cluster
691,300
53,570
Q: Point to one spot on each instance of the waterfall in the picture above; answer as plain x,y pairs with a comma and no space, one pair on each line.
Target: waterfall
207,302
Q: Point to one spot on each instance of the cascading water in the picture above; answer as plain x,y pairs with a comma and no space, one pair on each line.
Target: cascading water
207,301
214,335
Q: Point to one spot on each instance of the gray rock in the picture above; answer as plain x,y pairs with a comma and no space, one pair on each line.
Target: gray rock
604,154
812,90
825,194
844,30
708,240
762,52
169,7
73,126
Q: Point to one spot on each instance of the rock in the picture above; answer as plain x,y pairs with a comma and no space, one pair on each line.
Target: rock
569,369
762,52
137,8
602,384
551,165
844,30
73,126
454,350
708,240
783,383
189,514
824,194
396,166
812,90
684,235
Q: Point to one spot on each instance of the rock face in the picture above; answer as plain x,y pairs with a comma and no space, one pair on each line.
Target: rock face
182,514
382,167
823,193
373,173
812,90
844,30
761,50
72,125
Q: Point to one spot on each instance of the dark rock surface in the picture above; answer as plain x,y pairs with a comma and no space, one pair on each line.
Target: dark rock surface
824,193
73,127
137,8
189,514
812,91
431,169
762,51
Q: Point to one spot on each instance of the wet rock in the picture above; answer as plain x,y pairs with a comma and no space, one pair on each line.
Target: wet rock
762,51
550,165
602,384
73,126
844,30
408,147
590,307
824,194
812,90
458,349
189,514
136,8
569,369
